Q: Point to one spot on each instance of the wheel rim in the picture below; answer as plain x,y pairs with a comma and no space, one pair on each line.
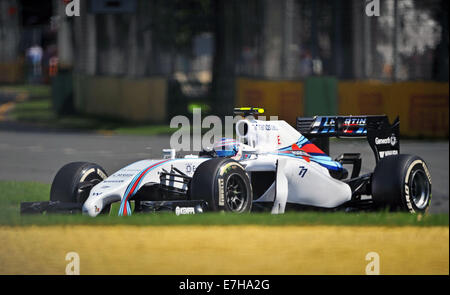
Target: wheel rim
420,189
236,193
94,177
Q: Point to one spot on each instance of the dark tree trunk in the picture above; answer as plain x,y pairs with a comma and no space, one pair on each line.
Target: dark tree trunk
223,83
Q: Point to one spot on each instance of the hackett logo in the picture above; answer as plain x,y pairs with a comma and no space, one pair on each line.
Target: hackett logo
72,7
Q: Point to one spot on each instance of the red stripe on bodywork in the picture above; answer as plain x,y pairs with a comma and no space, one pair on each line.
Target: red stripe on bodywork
309,148
307,159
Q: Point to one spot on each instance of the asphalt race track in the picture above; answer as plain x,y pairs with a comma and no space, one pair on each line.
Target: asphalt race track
37,155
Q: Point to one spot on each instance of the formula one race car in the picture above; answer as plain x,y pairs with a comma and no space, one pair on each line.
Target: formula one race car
270,166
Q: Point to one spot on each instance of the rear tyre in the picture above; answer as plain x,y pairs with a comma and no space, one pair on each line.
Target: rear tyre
224,184
402,183
74,181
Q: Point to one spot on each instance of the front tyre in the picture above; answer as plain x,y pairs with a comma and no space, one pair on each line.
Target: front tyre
402,183
224,184
74,181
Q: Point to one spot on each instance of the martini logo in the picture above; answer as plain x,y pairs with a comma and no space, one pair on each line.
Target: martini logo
355,121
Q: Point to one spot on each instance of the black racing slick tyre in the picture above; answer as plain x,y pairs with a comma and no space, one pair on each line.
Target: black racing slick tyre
223,184
402,183
73,182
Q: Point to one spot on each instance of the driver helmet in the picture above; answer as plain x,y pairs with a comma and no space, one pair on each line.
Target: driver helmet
226,147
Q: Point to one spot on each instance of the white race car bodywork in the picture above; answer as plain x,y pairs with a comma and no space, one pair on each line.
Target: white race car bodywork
300,177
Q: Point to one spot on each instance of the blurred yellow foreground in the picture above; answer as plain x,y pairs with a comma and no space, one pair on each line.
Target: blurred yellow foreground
224,249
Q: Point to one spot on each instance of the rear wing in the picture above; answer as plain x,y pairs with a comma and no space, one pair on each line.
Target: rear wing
382,136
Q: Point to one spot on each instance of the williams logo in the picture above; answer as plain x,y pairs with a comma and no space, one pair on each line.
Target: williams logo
393,139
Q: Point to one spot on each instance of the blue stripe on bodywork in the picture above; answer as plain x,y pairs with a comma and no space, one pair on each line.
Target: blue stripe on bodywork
324,161
127,203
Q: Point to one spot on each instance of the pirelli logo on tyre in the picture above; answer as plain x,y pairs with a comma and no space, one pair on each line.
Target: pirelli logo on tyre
220,181
427,172
407,191
221,192
228,166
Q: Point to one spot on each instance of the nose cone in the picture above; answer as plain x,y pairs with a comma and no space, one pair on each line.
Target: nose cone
92,207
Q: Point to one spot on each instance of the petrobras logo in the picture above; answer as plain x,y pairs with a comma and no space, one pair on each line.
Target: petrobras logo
266,127
388,140
184,210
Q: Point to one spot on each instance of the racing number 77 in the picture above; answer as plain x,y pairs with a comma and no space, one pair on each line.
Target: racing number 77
303,171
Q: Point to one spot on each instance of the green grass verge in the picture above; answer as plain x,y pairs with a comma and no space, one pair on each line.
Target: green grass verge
37,109
32,90
39,112
12,193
